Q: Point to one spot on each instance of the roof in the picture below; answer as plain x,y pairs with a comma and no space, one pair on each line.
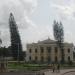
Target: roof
47,41
50,41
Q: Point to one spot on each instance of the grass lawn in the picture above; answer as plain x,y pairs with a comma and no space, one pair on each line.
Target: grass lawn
67,66
34,67
24,66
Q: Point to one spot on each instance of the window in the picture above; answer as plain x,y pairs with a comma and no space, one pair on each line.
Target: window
56,59
42,49
56,49
36,58
49,59
68,58
30,50
49,49
42,58
36,50
29,57
68,50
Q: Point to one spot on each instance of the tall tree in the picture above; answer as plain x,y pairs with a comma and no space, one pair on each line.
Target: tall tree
16,45
59,37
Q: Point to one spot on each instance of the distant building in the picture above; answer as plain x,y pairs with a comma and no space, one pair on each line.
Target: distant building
47,51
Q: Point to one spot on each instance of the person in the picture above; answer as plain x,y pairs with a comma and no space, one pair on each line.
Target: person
43,74
53,68
58,68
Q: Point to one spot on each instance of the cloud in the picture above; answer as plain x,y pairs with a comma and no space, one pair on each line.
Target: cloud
30,5
69,37
65,8
22,11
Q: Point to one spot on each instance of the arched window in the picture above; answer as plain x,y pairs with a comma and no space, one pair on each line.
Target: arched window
29,57
36,58
49,59
42,49
68,50
48,49
30,50
42,58
56,59
35,50
68,58
56,49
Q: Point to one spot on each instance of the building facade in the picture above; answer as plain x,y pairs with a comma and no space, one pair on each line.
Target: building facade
47,51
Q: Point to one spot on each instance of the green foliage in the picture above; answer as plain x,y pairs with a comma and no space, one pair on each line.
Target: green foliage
58,32
70,63
29,67
6,52
16,45
59,37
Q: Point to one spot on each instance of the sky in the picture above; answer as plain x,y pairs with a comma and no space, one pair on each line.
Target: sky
35,19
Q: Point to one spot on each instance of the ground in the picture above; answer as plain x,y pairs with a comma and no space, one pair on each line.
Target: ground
35,69
46,72
62,72
17,73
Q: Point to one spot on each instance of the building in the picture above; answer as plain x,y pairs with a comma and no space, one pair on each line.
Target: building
47,51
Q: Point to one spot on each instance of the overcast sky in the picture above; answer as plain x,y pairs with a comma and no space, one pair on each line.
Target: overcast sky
35,19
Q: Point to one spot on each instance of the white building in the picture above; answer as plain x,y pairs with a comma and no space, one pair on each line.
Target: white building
48,51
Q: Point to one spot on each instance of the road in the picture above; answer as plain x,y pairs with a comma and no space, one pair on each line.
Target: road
18,73
46,72
69,73
62,72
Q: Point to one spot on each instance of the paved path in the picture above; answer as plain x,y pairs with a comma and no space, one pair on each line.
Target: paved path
46,72
69,73
62,72
18,73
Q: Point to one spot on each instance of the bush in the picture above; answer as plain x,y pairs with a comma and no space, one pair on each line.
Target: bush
70,63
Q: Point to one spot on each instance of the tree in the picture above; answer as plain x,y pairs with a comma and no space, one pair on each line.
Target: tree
59,37
16,45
